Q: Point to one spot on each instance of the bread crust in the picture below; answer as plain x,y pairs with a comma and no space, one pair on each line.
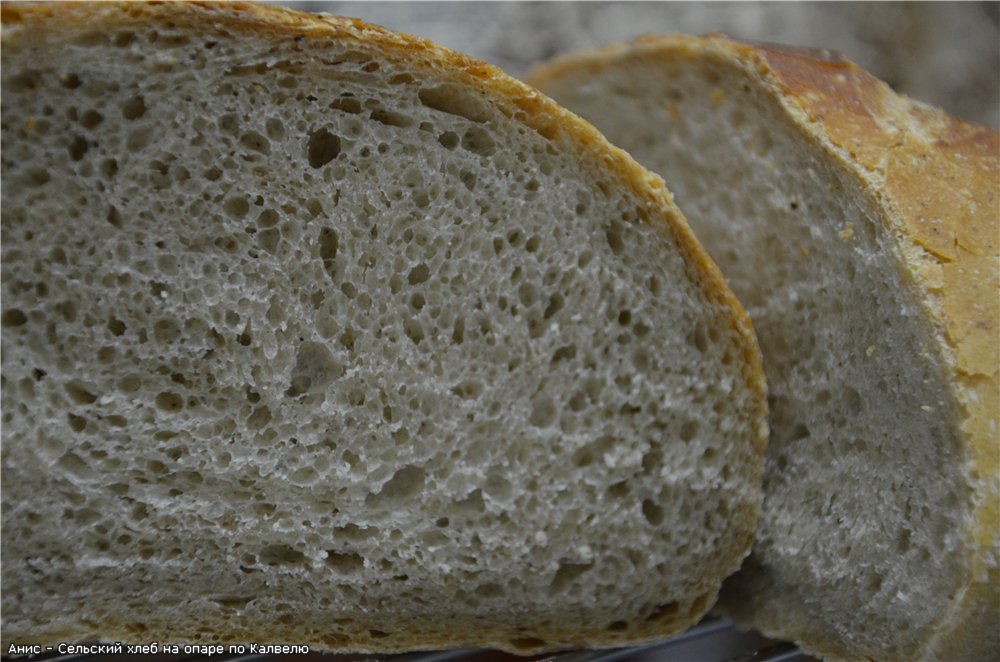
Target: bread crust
934,180
522,103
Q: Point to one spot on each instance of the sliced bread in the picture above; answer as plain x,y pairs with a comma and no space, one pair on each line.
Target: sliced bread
860,229
315,333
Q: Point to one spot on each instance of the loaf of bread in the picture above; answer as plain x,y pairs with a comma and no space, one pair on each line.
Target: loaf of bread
315,333
860,230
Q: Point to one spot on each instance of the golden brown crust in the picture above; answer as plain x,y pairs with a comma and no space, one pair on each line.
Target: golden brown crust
522,103
936,180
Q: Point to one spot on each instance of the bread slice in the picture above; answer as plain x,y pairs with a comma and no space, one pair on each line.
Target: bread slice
315,333
860,230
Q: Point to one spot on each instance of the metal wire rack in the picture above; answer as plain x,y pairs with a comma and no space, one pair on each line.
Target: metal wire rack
714,639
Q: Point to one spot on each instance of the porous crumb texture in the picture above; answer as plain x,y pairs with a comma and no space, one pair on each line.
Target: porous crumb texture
867,493
309,338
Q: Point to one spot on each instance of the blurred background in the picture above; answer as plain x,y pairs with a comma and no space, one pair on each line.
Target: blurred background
944,53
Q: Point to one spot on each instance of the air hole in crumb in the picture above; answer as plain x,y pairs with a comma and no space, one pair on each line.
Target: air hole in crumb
315,369
699,339
479,141
391,118
903,541
90,119
236,207
346,563
614,237
328,245
77,148
73,464
348,338
70,81
114,217
556,302
347,104
13,317
413,330
79,394
274,555
566,574
455,100
166,330
700,604
404,485
418,274
169,401
473,503
303,476
468,178
543,412
468,390
322,148
275,129
527,294
256,142
652,512
134,108
449,140
232,602
619,490
77,423
229,123
665,612
260,417
563,353
37,177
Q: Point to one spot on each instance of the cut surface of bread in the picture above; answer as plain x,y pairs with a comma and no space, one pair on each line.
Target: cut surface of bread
315,333
860,230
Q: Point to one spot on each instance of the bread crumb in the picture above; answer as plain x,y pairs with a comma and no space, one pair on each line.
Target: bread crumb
870,350
847,233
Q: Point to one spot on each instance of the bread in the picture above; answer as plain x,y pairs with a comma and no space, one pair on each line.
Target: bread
318,334
860,230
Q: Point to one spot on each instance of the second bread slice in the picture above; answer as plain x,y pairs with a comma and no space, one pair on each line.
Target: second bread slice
860,229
